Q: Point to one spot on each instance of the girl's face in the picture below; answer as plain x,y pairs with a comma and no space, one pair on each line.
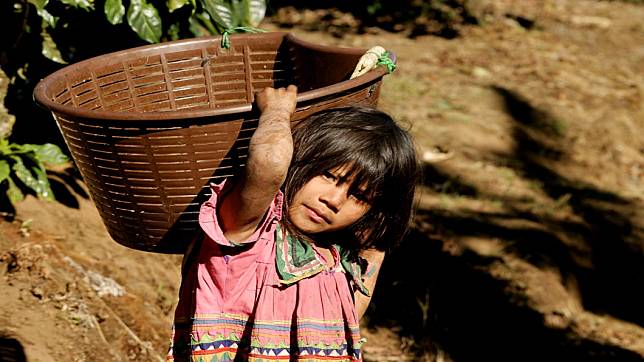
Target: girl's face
325,203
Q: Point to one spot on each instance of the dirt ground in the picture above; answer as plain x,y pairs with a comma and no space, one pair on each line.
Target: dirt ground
528,243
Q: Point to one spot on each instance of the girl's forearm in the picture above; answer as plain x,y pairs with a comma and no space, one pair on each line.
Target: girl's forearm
269,155
271,146
270,151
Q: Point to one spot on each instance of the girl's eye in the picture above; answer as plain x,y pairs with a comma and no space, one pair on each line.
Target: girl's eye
329,176
360,196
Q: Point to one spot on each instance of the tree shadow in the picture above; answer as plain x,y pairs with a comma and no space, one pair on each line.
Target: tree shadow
470,315
615,240
442,182
450,300
11,350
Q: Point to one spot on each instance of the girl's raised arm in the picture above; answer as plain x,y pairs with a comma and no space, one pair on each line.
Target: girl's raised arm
269,155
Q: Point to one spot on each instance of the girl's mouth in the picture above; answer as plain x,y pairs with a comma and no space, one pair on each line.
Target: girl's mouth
315,216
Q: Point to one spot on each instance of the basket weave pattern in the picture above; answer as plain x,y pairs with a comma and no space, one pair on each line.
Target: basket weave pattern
151,127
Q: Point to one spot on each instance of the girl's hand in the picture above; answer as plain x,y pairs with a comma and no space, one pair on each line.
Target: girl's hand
277,102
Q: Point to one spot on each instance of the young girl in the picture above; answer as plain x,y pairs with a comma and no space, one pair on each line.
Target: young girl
292,248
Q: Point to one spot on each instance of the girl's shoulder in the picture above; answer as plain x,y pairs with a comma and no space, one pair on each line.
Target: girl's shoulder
209,220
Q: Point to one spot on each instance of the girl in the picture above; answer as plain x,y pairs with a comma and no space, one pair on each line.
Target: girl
275,275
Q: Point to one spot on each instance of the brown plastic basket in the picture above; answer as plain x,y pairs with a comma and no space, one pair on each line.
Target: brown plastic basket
150,127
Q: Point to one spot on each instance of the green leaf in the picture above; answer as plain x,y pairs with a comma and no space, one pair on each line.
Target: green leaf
47,153
200,21
173,32
239,11
220,12
176,4
5,148
5,170
255,10
22,172
49,48
34,178
14,192
39,4
114,11
83,4
44,192
144,20
44,14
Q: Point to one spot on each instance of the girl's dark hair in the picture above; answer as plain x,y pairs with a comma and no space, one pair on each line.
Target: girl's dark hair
380,155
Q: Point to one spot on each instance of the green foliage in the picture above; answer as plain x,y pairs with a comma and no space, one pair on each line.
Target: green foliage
25,164
151,20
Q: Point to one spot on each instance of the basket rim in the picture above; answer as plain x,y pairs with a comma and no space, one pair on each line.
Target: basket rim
41,98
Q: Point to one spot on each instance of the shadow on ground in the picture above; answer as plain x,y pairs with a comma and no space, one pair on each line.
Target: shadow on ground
11,350
448,300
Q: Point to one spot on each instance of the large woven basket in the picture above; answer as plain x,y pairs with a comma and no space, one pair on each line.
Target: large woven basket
150,127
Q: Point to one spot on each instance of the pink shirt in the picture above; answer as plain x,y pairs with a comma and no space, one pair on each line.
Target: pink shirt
233,303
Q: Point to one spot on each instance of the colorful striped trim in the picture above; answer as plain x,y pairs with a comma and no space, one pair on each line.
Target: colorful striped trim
220,350
268,341
241,318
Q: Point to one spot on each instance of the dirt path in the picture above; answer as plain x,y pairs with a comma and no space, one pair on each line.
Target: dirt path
529,240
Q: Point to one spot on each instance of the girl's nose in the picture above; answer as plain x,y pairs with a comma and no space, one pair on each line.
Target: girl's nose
334,197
